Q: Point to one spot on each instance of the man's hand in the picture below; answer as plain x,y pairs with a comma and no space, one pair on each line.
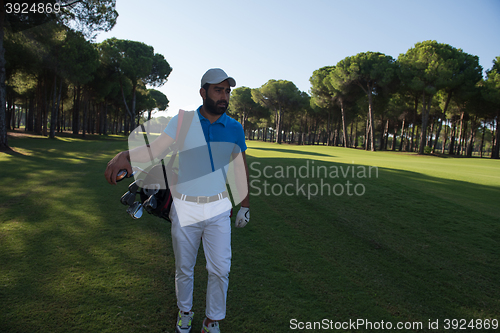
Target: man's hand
119,162
242,217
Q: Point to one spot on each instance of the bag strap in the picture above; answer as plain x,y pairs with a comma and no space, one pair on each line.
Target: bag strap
183,123
176,143
180,117
144,134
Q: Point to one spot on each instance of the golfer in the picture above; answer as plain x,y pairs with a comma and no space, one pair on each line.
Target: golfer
201,208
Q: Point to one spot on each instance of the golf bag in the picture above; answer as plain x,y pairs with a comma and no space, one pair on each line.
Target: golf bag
155,194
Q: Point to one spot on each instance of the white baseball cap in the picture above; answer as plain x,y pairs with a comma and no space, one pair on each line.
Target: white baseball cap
216,75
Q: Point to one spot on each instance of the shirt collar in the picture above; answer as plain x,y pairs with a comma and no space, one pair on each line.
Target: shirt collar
222,119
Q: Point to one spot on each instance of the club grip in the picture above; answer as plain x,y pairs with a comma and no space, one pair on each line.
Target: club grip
122,174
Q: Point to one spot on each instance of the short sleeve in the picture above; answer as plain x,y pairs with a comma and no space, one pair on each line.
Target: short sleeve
171,129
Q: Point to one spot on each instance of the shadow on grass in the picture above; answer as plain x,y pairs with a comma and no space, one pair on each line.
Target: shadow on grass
20,133
11,152
71,258
412,247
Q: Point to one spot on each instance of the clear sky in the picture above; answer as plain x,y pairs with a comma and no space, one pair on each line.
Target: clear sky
258,40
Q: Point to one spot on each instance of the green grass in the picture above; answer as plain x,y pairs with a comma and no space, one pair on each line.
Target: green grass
421,243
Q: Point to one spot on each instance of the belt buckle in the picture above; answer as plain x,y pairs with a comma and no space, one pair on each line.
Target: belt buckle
202,197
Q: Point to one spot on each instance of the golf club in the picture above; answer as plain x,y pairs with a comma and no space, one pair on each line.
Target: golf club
135,211
128,198
122,174
135,186
150,204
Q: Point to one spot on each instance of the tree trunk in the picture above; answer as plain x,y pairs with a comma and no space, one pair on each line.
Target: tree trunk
412,148
278,126
13,115
8,111
92,117
344,128
76,110
244,122
482,141
37,129
328,128
425,118
3,126
401,144
61,116
350,136
496,148
85,113
416,136
445,139
463,139
431,133
443,118
461,133
366,139
394,136
306,132
132,123
129,112
45,107
384,138
30,114
301,136
356,134
370,115
22,112
55,107
105,132
470,145
451,150
382,132
285,131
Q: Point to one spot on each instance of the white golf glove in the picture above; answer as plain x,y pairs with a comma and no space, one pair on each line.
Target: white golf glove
242,217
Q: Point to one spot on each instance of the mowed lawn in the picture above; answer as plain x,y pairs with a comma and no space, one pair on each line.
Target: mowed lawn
387,238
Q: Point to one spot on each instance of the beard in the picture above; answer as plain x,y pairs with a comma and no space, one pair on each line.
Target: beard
213,107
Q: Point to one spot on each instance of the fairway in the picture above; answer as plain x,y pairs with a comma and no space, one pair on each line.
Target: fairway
335,235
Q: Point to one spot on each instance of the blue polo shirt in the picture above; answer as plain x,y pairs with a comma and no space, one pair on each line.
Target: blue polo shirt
206,154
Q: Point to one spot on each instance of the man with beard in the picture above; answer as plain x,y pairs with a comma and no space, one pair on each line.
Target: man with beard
201,208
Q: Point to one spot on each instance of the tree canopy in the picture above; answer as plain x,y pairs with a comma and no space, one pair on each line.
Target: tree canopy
135,62
42,28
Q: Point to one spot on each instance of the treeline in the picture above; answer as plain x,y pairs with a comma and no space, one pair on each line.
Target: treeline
433,98
57,79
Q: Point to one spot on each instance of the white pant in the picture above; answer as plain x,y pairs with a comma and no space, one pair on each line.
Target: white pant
215,232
